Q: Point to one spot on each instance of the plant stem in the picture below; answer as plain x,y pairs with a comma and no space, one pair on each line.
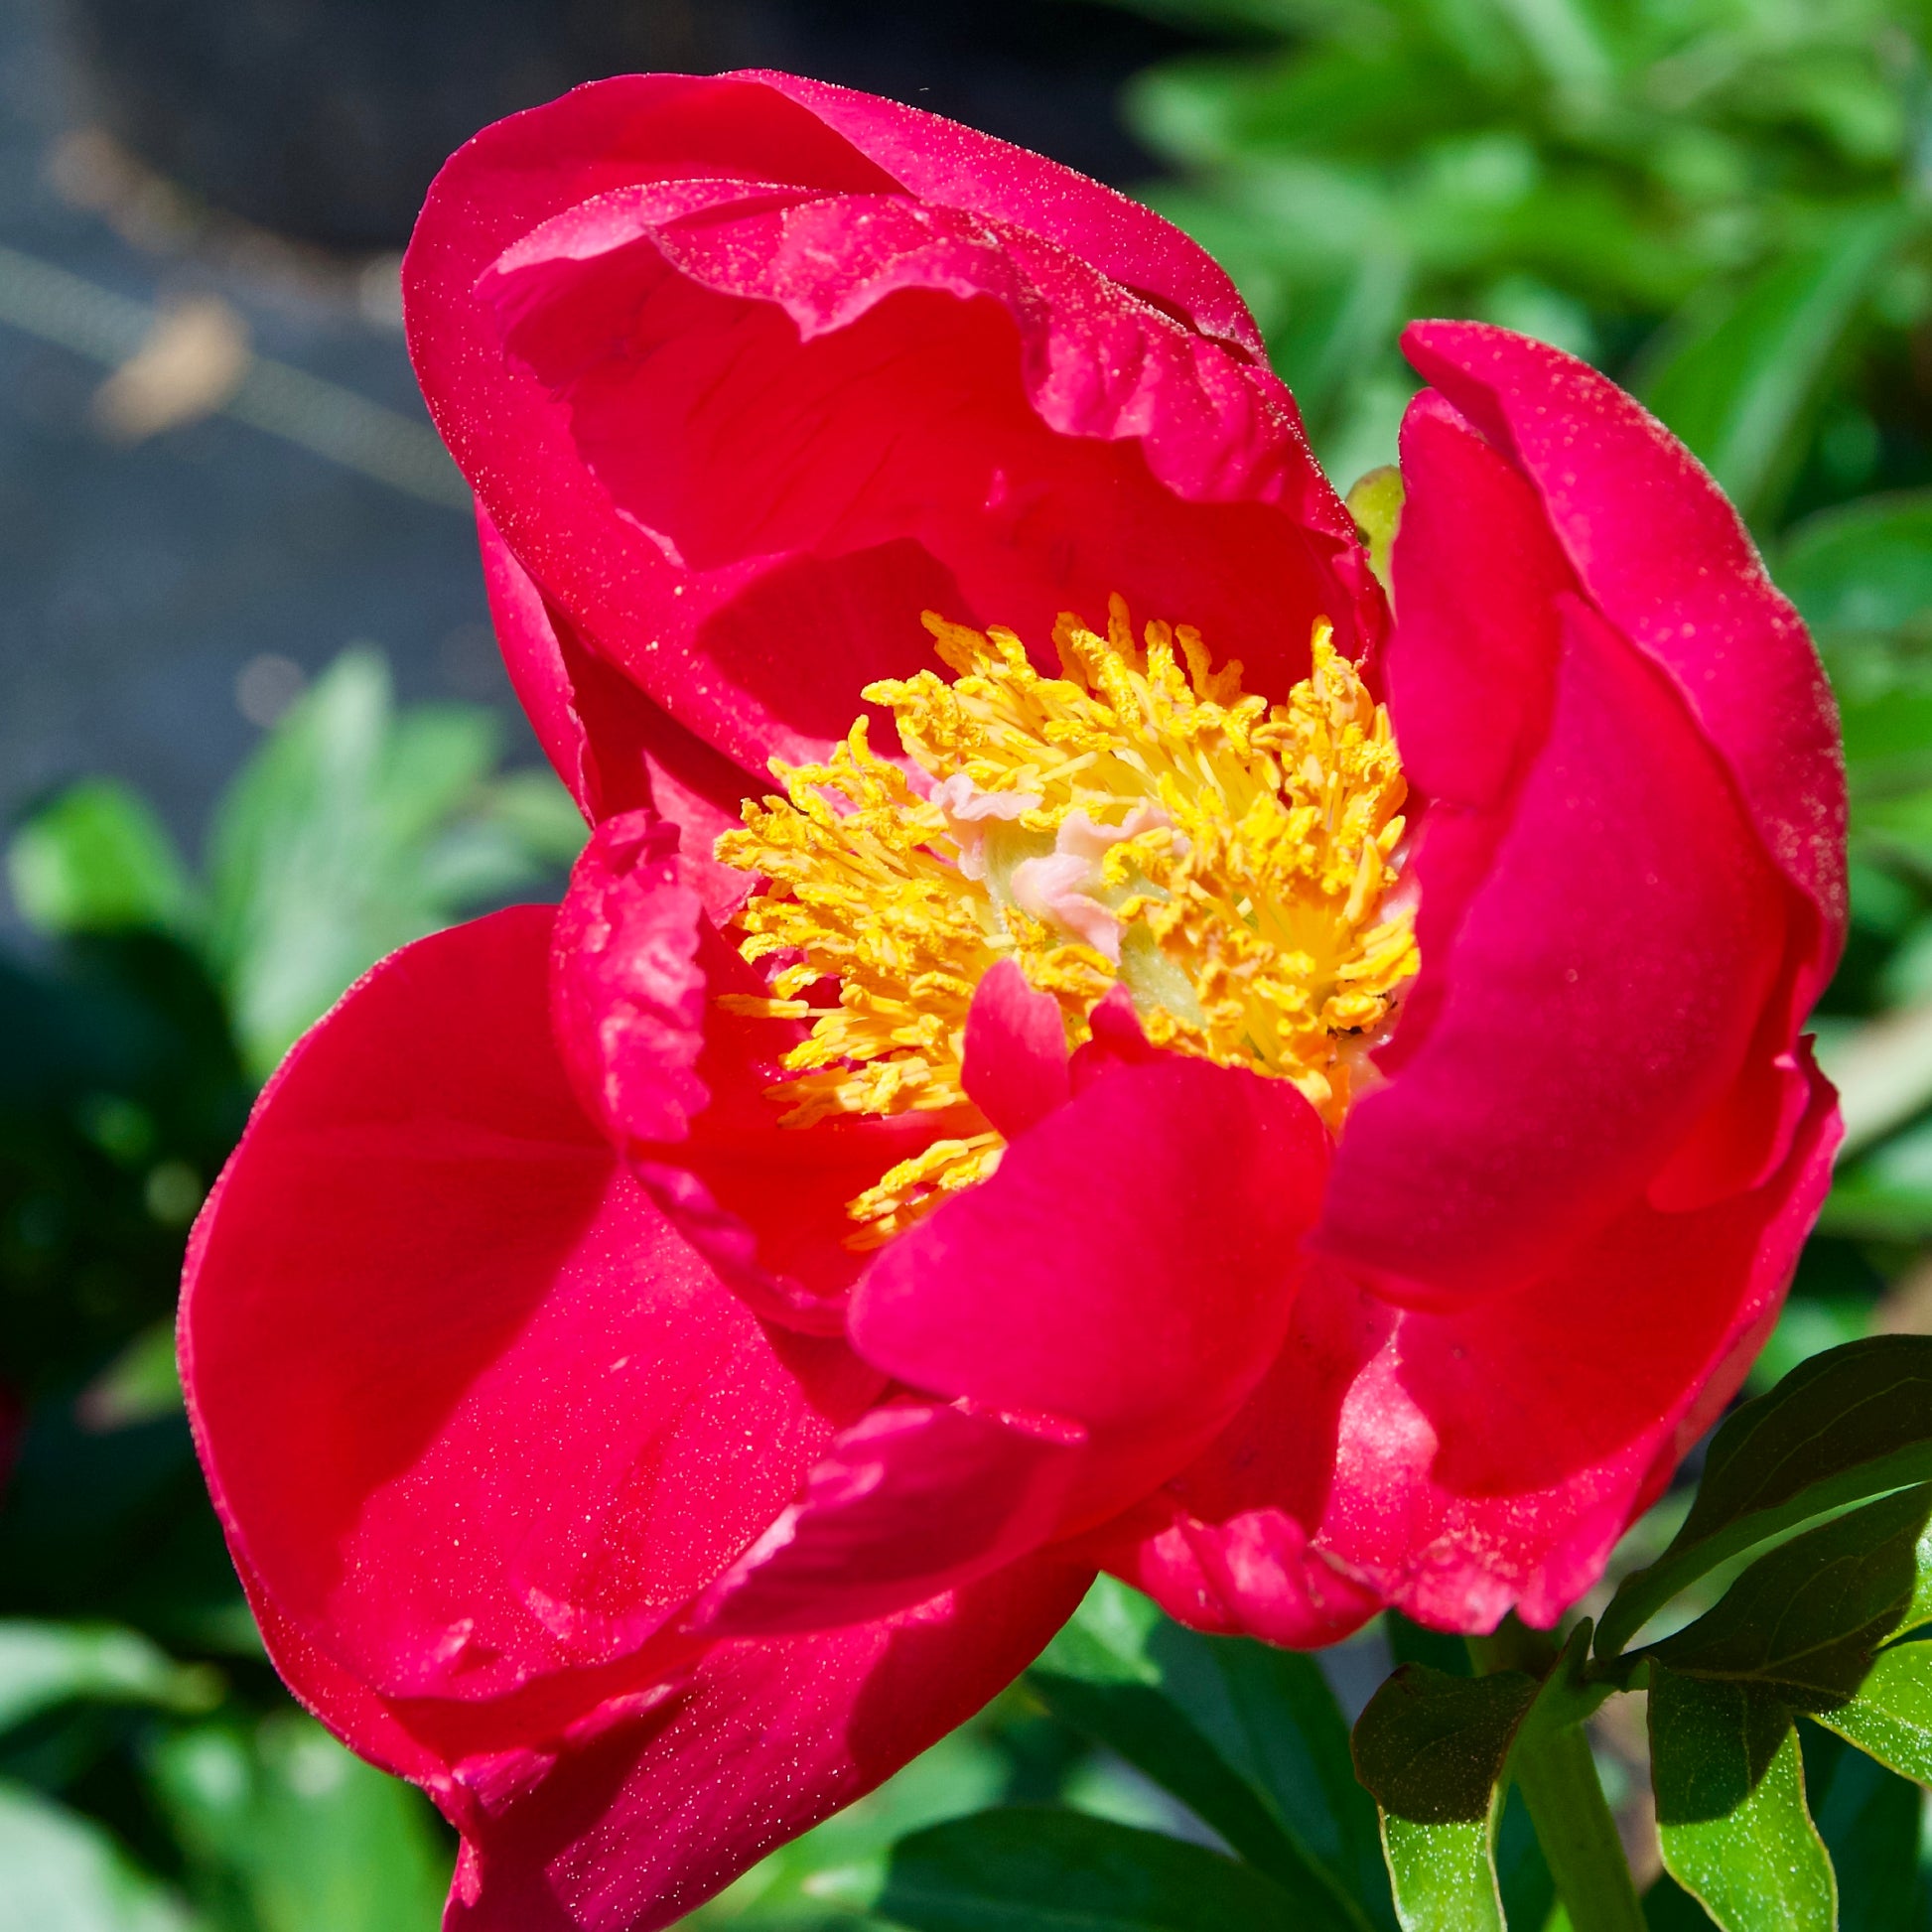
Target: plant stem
1579,1837
1557,1778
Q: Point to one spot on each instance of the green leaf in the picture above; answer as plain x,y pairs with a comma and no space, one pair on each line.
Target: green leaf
1891,1717
353,831
1444,1874
840,1865
1523,1878
142,1382
1551,1767
43,1665
1731,1820
1852,1423
539,814
1803,1624
1865,568
1742,382
312,1838
96,859
1432,1749
1868,1817
1248,1738
60,1872
1026,1870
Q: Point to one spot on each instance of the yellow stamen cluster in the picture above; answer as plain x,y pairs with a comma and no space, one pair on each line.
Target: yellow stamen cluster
1137,820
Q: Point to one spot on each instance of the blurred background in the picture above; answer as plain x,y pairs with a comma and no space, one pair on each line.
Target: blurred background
253,732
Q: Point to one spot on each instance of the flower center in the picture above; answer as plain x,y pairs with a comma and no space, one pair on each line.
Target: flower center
1136,821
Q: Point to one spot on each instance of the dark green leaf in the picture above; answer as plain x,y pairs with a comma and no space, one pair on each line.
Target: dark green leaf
1416,1643
1852,1423
1731,1806
1742,382
1668,1907
1023,1871
96,859
1247,1736
1431,1748
1802,1623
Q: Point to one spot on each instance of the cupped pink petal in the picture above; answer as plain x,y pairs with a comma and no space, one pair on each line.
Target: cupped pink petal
1130,1267
685,1087
1664,557
822,413
1460,1465
1015,1066
912,1499
1599,997
636,1820
1470,669
614,748
1031,513
471,1410
939,161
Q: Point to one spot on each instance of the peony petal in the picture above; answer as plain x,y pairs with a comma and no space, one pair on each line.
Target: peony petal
868,388
1664,557
940,161
637,1819
1016,1059
471,1411
1471,671
685,1087
612,747
1601,995
1130,1267
910,1502
1461,1465
1038,519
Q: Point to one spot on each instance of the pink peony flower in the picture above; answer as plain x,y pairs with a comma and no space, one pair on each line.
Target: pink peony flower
1305,1115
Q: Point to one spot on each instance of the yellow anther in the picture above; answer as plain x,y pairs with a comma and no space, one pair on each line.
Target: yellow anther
1137,820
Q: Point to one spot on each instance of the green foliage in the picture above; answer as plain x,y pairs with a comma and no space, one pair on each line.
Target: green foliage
1845,1425
1717,195
1246,1738
152,1776
1741,378
1890,1719
1730,1809
96,859
1040,1870
289,1833
355,829
64,1874
1431,1748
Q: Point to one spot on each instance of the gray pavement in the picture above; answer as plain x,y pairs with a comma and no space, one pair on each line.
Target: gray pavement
139,580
